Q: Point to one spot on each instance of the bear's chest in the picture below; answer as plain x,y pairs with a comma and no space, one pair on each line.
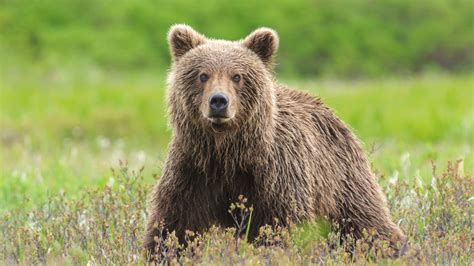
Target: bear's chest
229,181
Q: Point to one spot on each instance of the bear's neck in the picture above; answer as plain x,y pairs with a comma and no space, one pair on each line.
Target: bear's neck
229,152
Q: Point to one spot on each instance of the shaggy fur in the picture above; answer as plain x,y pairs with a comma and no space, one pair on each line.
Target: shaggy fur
283,149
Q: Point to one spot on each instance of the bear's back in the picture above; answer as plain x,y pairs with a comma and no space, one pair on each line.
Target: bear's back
308,114
316,147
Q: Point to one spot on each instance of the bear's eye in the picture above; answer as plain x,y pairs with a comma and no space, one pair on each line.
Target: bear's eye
236,78
203,77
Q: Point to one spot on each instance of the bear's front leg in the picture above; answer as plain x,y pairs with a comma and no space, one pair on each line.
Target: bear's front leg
162,219
181,201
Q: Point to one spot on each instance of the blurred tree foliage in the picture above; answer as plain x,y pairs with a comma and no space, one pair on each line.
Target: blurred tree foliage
319,37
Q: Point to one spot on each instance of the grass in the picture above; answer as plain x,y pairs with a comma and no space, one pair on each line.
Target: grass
104,226
60,135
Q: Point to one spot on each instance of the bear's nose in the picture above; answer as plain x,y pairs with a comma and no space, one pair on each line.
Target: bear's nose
218,103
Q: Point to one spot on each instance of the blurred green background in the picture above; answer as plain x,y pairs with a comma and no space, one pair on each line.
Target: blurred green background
320,37
82,82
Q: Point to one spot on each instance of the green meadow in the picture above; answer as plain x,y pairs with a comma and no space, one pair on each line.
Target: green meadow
84,129
78,154
65,136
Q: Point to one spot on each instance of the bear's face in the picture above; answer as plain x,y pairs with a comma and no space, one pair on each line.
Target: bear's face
219,84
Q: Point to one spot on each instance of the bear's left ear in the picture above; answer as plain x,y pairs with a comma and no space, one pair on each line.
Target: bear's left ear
263,42
182,38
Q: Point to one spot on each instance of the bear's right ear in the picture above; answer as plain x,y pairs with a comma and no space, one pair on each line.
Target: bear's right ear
182,38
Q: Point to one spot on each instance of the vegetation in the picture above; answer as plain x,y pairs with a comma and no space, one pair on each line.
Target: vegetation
82,92
66,135
60,202
323,37
105,226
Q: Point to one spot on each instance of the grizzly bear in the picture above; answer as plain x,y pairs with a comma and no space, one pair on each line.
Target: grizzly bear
236,131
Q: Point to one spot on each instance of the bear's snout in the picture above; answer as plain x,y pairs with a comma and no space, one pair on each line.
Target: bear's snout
218,106
218,103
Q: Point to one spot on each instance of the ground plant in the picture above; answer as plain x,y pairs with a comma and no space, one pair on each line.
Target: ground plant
78,158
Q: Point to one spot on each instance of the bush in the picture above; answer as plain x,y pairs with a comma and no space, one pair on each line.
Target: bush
105,226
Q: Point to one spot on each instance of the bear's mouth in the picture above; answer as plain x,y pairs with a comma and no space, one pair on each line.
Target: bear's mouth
218,120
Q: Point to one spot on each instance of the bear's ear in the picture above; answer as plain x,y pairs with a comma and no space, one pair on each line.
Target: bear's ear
263,42
182,38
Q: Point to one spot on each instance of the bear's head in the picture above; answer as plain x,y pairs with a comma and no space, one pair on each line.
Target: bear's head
220,85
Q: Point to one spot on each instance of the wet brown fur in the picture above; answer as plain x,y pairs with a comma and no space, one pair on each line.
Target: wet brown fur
288,153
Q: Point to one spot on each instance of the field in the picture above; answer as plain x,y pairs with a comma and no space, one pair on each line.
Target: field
60,202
